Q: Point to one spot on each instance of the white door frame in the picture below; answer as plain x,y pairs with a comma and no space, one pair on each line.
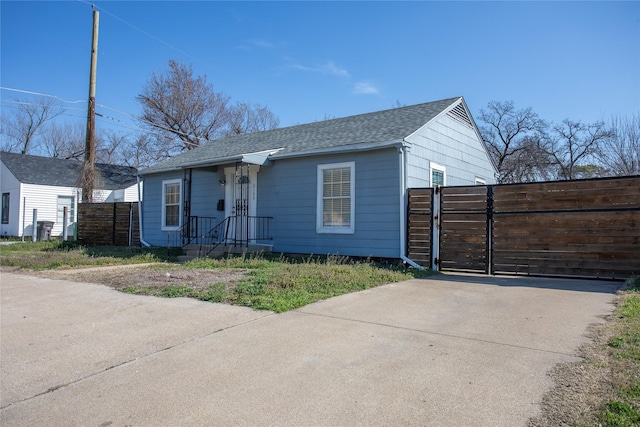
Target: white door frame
229,192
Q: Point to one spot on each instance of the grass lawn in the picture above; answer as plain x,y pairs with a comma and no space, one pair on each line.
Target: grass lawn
624,350
276,283
284,283
52,254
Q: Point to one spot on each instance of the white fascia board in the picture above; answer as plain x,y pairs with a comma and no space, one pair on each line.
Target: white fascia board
203,163
477,131
341,149
256,158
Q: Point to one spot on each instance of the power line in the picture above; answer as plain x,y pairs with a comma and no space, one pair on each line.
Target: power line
13,101
143,31
138,119
155,125
10,89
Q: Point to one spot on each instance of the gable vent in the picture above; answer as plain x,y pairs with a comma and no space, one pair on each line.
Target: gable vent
460,114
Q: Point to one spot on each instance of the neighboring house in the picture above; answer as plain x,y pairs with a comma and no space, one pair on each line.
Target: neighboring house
331,187
49,185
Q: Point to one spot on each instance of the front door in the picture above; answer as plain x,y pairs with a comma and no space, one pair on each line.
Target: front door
240,203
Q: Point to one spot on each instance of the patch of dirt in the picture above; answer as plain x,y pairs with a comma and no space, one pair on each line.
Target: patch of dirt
159,276
581,388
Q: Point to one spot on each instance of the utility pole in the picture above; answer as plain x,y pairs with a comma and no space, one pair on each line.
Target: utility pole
88,170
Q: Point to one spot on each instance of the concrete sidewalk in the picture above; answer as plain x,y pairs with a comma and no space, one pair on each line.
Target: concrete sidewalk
449,350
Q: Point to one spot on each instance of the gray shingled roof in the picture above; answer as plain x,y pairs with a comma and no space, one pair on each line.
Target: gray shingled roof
65,173
378,127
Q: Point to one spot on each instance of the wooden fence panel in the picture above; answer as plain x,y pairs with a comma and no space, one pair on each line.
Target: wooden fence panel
108,224
615,193
419,223
463,229
586,228
597,237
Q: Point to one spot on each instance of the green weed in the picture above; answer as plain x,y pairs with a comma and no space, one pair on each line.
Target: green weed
56,254
275,282
624,346
215,293
620,414
176,291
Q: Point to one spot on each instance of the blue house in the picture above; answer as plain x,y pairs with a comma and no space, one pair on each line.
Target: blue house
331,187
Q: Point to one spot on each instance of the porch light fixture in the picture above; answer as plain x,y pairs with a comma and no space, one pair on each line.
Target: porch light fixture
222,181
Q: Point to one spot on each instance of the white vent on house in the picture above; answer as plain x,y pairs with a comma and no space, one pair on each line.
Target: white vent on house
460,114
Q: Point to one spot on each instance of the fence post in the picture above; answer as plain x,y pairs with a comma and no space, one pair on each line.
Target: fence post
130,224
489,257
35,226
24,216
435,229
64,224
114,224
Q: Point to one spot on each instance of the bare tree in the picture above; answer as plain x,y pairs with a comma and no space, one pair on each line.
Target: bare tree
620,154
244,118
141,151
20,130
183,107
110,146
511,136
528,164
186,111
63,141
573,144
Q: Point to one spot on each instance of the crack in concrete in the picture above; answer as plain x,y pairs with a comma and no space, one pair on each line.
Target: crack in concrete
126,362
437,333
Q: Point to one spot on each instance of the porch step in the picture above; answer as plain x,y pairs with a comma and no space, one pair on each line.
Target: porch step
195,251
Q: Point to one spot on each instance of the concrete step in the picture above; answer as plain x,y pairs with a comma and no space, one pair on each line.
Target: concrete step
196,251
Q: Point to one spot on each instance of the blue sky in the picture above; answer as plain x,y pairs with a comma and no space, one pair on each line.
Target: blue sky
311,60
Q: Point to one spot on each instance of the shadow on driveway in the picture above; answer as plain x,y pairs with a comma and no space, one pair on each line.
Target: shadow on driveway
568,284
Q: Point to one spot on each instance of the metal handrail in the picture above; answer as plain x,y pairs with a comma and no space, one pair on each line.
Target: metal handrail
197,228
230,230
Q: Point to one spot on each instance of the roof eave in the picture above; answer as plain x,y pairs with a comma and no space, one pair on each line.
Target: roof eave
258,157
341,149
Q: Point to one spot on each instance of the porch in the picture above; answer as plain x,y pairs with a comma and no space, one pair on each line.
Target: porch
201,236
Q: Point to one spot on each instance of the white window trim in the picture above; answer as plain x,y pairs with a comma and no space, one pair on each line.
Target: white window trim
320,227
163,205
434,166
480,181
8,209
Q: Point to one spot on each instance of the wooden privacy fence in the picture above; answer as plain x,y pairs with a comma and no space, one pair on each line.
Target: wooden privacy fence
420,223
108,224
588,228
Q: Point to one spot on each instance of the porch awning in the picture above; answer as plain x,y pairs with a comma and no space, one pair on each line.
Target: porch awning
260,158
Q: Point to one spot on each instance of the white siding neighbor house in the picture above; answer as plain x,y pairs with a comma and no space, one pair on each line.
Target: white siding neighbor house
331,187
49,185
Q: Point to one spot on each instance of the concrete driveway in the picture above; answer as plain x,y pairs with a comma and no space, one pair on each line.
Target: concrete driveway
449,350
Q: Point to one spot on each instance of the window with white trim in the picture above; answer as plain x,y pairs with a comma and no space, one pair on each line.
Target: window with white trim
438,174
5,208
336,201
171,204
480,181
